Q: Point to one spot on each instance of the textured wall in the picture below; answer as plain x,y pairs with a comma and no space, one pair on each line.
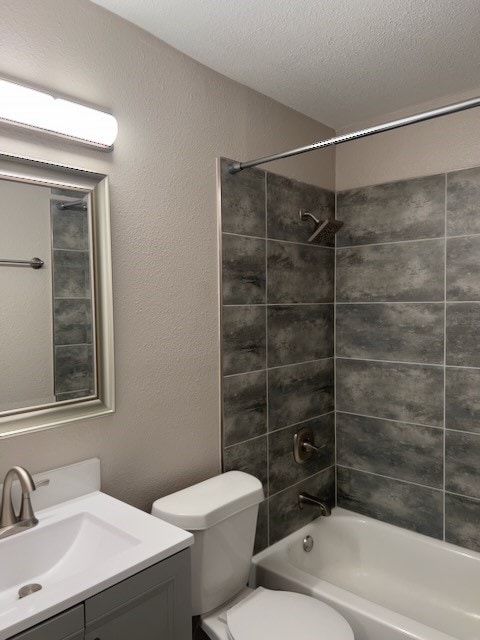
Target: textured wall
277,342
408,354
175,117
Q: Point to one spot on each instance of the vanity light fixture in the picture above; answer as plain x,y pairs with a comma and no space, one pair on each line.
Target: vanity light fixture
36,110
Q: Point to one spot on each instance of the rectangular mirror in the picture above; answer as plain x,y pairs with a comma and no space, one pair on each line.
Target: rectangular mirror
55,282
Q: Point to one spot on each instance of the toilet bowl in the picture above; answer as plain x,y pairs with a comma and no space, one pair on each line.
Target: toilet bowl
222,514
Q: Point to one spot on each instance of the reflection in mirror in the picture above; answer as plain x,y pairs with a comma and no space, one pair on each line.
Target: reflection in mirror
56,360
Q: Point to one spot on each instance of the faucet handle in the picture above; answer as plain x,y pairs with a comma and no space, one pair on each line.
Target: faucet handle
303,445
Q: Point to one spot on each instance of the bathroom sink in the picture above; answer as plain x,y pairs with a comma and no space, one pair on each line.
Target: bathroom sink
79,548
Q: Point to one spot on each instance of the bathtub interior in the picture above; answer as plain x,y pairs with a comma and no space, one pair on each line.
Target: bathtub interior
432,582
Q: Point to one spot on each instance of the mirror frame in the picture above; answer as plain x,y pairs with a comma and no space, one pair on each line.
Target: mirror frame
28,170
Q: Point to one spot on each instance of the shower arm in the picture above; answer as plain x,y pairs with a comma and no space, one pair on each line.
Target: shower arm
235,167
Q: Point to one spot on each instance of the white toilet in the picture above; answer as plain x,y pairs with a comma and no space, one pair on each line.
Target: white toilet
222,514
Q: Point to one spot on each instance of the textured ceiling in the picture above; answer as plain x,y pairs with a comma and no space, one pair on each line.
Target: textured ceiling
339,61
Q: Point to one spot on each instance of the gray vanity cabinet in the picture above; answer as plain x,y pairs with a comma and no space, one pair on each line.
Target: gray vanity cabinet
151,605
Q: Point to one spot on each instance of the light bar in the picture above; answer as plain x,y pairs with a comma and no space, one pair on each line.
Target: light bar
21,106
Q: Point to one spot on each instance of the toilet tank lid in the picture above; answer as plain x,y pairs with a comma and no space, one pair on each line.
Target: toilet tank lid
205,504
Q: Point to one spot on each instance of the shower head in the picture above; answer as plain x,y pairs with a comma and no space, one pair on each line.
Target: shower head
325,230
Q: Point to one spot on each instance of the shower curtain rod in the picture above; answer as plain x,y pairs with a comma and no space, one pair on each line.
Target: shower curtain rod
235,167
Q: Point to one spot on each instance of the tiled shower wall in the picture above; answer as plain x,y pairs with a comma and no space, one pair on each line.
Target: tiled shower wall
278,346
408,354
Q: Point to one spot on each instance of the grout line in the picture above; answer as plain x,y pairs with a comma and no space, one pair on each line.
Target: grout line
444,461
283,304
462,495
380,475
415,424
405,362
317,473
303,244
280,366
409,302
380,244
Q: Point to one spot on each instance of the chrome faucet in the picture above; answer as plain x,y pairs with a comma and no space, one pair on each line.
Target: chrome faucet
10,523
306,498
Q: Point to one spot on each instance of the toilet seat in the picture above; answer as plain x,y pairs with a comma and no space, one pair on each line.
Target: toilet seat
284,615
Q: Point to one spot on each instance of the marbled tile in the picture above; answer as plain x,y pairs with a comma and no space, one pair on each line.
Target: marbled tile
70,228
299,273
72,321
299,392
404,272
73,395
298,333
73,368
407,332
462,518
463,268
283,470
244,407
244,339
285,198
285,514
463,325
463,202
462,468
71,274
405,210
261,535
463,399
243,270
400,503
250,457
410,393
243,201
397,449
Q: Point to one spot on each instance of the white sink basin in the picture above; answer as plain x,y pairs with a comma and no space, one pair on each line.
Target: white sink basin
79,548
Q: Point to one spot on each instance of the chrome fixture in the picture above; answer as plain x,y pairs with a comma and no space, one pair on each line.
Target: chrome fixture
312,501
235,167
325,230
35,263
303,445
308,544
10,523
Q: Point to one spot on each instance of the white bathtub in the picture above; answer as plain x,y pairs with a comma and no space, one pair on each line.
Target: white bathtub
389,583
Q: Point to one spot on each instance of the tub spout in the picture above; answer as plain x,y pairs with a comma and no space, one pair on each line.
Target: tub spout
306,498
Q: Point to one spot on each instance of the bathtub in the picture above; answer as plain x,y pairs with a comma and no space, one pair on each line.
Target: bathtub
389,583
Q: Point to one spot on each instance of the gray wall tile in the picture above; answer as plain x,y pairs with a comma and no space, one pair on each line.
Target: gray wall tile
283,470
298,333
462,468
285,198
244,339
463,202
407,332
73,368
299,273
410,393
72,321
71,274
405,272
244,407
243,201
261,536
69,228
406,210
250,457
462,516
285,514
463,268
463,399
400,503
299,392
396,449
243,270
463,344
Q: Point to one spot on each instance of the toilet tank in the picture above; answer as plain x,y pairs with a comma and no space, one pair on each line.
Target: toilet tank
222,515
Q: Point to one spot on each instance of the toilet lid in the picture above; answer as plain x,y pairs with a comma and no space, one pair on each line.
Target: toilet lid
284,615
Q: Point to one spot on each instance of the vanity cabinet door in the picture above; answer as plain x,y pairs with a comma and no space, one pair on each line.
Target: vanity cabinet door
152,605
66,626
